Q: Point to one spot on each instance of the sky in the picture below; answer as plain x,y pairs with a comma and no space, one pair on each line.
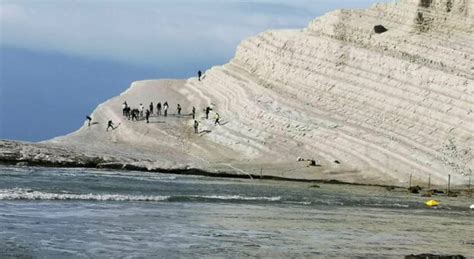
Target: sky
59,59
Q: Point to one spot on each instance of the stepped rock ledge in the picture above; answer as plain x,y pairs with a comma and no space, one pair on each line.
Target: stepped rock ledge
368,105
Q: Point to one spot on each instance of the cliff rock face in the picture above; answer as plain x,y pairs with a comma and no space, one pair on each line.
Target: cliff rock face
382,105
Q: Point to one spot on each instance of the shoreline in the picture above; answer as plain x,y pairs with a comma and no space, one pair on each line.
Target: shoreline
222,174
188,171
15,153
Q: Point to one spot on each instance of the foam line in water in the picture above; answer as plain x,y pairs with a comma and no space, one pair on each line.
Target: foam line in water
26,194
22,194
236,197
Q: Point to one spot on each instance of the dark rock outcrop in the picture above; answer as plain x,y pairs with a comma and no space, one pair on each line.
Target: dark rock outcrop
34,154
379,29
414,189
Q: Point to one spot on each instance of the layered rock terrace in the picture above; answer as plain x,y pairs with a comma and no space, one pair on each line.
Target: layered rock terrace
367,106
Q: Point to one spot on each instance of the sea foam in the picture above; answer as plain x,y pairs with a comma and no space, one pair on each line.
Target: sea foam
27,194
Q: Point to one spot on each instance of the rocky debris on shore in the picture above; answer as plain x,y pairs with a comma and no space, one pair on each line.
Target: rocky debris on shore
414,189
22,154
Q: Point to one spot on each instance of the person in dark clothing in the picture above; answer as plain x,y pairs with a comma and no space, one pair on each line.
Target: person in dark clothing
135,113
89,119
199,75
194,112
208,109
179,109
165,109
196,127
110,125
124,107
218,117
158,109
127,112
147,115
151,108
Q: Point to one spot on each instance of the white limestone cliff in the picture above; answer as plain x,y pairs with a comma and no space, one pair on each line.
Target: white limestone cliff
382,105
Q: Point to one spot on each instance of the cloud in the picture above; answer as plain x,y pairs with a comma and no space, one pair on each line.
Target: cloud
11,12
152,33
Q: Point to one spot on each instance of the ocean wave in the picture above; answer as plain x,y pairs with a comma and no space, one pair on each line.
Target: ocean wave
75,172
299,202
26,194
235,197
138,175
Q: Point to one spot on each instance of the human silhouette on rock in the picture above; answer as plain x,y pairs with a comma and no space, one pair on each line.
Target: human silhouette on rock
165,109
89,119
208,109
147,114
218,117
110,124
141,110
124,107
179,109
158,109
196,127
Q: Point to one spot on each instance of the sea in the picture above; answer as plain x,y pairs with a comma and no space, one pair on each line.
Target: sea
84,213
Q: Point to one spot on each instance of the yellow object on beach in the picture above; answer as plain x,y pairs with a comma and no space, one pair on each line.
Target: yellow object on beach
432,203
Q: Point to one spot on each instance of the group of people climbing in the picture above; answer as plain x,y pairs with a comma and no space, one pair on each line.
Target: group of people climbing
138,113
196,123
161,110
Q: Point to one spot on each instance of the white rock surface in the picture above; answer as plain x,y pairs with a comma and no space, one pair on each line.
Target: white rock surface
383,105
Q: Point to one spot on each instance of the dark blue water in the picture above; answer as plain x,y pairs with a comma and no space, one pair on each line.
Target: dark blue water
86,213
